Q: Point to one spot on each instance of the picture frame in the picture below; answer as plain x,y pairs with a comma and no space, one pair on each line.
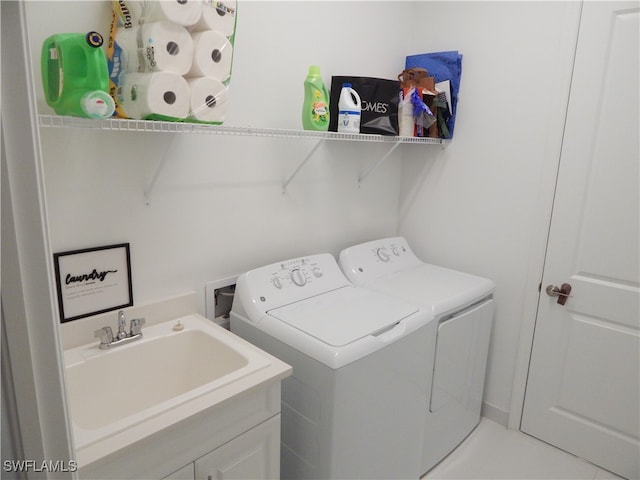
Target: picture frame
91,281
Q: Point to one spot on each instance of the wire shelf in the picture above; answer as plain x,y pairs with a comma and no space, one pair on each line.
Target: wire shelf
120,124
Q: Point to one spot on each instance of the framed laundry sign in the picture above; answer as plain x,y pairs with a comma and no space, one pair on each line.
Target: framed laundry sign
93,280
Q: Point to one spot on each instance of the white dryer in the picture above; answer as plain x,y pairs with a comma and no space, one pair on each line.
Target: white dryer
462,306
354,406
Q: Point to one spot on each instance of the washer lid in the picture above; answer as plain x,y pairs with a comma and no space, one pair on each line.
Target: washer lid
342,316
441,289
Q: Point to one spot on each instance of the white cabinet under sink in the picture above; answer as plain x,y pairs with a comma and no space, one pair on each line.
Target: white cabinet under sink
253,455
237,440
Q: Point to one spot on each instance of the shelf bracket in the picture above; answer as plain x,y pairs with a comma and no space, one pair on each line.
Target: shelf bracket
154,179
295,172
362,177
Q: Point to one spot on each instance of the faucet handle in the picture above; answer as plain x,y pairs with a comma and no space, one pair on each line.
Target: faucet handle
105,334
136,326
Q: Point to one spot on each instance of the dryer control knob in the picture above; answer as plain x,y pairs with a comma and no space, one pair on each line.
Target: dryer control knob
383,254
276,282
298,278
317,272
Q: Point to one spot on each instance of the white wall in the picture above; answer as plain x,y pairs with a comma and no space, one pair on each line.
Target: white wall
482,204
217,208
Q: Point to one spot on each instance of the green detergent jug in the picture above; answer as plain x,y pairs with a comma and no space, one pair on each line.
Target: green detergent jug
75,75
315,109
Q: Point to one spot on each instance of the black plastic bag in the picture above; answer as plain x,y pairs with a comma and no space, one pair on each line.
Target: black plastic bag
380,99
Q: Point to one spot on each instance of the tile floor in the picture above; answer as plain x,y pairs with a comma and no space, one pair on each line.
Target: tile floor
493,452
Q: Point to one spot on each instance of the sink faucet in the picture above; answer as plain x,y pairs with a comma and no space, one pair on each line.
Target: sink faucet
108,339
122,324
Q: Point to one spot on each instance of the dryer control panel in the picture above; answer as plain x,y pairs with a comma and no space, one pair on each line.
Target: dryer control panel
290,281
367,261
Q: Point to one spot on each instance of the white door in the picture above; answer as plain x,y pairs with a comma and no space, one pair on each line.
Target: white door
583,386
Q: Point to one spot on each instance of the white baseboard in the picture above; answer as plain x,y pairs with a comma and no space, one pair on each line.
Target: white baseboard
495,414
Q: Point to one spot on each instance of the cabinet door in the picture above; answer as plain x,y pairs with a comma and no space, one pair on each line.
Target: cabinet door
253,455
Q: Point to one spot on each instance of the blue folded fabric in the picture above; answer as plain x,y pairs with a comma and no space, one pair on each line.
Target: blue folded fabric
442,66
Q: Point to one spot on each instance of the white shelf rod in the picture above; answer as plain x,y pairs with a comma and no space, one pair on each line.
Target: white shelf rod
378,163
152,182
295,172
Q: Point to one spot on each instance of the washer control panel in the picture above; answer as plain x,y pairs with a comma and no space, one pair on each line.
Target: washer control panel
292,280
298,272
387,253
370,260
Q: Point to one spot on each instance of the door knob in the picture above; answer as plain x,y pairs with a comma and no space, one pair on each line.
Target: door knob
561,292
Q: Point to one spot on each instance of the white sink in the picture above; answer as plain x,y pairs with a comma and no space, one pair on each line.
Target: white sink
126,393
125,381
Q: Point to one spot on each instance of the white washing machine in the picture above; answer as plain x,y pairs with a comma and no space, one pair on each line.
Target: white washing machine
353,407
462,306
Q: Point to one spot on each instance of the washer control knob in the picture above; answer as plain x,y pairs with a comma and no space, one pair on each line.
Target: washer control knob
276,282
317,272
395,251
298,278
383,254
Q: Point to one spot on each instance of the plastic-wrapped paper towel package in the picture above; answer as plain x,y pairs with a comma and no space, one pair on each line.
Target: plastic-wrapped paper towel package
171,59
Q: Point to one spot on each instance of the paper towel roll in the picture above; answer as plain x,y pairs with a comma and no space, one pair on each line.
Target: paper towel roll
156,47
406,122
219,16
182,12
209,98
162,93
212,55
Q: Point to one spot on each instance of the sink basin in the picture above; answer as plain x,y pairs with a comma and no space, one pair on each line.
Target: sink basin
126,381
121,395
